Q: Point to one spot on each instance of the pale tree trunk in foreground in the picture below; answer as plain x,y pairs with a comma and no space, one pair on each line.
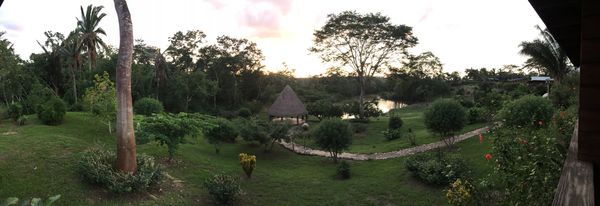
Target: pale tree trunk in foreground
126,160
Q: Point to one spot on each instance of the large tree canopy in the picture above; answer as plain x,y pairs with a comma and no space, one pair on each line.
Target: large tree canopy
365,43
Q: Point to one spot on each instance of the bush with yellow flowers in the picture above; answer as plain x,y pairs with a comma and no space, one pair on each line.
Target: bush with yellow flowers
248,163
460,193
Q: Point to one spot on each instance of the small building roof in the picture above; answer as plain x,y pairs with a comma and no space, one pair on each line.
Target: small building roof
287,104
541,79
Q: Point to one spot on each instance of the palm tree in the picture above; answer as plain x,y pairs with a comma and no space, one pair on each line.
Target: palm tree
71,52
126,148
90,32
545,53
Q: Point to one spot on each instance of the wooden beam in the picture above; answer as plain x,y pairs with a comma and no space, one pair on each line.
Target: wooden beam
576,184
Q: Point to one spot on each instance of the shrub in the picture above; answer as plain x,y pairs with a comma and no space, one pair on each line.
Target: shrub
52,112
14,111
22,120
248,163
460,193
148,106
33,202
343,170
333,135
223,188
436,171
170,129
412,138
562,95
445,117
244,112
395,122
223,131
101,101
392,134
476,115
527,111
97,167
254,130
38,96
358,127
324,109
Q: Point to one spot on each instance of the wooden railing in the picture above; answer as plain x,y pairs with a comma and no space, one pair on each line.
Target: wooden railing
576,184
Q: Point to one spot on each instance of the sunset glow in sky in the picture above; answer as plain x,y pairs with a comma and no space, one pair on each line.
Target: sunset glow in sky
462,33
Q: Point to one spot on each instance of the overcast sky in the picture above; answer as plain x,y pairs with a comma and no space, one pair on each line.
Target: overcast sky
462,33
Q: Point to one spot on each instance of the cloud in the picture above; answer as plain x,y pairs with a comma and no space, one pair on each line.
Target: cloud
426,15
217,4
262,18
284,6
11,26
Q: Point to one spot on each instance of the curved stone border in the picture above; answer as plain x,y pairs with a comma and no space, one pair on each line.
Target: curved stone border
300,149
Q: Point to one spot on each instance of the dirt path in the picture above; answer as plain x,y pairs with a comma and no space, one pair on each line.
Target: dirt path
300,149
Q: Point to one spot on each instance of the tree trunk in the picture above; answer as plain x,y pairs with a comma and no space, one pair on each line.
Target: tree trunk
74,84
361,109
126,160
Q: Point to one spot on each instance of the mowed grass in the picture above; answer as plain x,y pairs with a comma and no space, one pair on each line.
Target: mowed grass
373,140
40,161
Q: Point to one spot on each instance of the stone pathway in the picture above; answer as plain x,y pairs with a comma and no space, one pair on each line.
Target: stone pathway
300,149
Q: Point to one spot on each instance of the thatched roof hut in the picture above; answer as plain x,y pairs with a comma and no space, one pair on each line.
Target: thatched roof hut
287,104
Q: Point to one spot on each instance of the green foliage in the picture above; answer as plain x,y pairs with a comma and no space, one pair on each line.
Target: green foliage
370,109
223,188
333,135
529,162
324,109
527,111
343,170
435,171
39,95
477,115
148,106
52,112
14,111
21,121
101,99
491,101
395,122
254,130
445,117
223,131
358,127
33,202
412,138
97,167
392,134
171,129
244,112
563,95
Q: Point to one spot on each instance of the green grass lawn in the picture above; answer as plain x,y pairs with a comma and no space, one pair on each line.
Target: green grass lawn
40,161
373,141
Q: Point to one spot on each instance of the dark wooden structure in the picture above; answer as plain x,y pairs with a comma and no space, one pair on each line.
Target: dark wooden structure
575,24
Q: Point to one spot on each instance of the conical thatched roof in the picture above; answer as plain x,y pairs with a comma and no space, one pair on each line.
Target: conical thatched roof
287,104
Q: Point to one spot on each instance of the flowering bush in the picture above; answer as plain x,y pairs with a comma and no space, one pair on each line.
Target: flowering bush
460,193
527,111
248,163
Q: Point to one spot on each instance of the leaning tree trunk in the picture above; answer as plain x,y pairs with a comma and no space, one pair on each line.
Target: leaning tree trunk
126,160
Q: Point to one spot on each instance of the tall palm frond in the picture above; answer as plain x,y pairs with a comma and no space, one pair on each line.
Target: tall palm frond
90,32
546,53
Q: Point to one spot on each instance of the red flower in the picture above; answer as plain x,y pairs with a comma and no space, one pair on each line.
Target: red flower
480,138
488,156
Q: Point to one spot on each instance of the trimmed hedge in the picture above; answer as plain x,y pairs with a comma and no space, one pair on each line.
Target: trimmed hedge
148,106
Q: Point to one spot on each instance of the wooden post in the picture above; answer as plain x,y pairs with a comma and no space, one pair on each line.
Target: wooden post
589,98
